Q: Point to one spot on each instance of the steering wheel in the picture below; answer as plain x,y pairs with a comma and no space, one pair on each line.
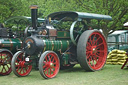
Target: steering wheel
76,30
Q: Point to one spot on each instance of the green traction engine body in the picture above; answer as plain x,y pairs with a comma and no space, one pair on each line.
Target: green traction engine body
12,44
63,40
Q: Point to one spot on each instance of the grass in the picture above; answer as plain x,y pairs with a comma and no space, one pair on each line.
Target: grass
110,75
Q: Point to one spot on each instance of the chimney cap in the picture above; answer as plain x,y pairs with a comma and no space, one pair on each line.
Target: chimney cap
33,7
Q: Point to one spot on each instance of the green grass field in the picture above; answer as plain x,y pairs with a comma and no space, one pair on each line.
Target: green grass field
110,75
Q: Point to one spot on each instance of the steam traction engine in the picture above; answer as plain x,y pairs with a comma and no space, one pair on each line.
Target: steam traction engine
57,48
8,46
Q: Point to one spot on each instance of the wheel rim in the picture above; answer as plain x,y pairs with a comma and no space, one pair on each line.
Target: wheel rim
72,30
50,65
96,51
5,63
22,68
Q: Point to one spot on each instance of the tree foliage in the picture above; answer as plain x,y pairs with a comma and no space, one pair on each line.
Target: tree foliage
118,9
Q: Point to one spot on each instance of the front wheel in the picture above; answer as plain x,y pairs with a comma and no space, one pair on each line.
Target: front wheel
49,64
5,62
92,50
20,65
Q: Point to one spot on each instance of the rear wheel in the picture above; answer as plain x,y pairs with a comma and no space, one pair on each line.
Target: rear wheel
5,62
20,65
92,50
49,64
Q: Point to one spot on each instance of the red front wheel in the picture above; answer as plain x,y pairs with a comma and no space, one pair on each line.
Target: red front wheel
92,50
5,62
49,64
20,65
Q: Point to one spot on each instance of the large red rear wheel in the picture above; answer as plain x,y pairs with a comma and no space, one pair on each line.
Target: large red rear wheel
20,65
49,64
92,50
5,62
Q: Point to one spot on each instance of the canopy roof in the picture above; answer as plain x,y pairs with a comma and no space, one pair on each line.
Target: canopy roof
20,19
68,15
118,32
126,24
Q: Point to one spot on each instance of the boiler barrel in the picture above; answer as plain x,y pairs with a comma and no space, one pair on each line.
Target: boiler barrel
56,45
35,45
10,44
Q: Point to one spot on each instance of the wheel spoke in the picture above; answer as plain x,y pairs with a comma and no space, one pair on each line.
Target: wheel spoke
53,60
96,40
7,66
45,66
100,44
49,58
17,68
21,70
93,39
100,51
2,70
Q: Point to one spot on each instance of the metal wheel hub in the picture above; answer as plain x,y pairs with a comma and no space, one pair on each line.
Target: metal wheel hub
2,62
93,50
22,63
49,64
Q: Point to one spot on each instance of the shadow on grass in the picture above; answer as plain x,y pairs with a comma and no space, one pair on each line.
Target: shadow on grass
75,69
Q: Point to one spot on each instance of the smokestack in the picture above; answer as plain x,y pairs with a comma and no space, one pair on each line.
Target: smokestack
34,16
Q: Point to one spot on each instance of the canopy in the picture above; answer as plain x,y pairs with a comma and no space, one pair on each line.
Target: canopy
126,24
118,32
20,19
68,15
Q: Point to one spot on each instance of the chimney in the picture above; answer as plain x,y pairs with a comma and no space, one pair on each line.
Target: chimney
34,16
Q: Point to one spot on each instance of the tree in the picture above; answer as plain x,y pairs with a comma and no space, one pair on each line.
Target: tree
118,9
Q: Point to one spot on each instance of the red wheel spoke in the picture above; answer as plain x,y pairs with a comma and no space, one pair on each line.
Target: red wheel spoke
100,51
26,69
88,56
90,40
53,60
49,58
21,70
100,44
88,44
96,40
96,60
45,66
97,56
46,59
19,59
93,63
50,71
88,52
18,68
